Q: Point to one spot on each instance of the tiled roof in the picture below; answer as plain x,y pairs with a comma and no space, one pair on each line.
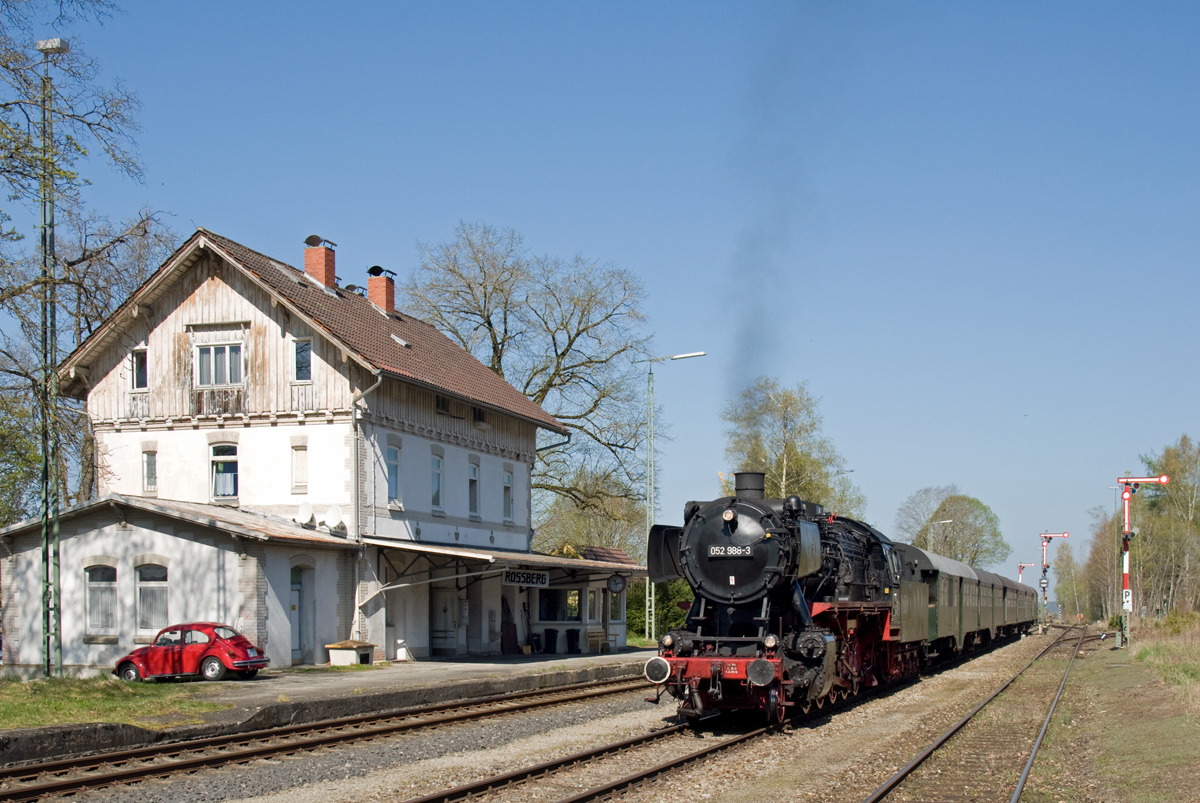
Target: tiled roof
429,358
608,555
247,524
513,558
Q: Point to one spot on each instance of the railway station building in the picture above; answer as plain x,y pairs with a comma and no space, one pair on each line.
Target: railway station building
309,464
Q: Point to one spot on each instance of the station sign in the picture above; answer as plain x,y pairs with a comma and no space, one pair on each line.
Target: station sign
526,577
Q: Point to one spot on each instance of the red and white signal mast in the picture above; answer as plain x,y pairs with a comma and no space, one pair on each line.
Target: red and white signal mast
1131,487
1044,583
1021,569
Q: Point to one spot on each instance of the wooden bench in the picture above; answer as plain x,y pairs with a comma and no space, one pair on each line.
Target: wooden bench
597,639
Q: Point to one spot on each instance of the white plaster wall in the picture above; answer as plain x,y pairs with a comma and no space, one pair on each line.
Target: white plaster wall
203,585
264,465
320,603
416,493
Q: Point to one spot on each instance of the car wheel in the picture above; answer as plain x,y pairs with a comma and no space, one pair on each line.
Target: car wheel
129,673
212,668
246,674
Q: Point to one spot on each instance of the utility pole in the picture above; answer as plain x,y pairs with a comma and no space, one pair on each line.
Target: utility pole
1131,485
51,587
650,478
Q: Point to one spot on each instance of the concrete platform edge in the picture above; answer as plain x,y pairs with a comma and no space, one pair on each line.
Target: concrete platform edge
62,741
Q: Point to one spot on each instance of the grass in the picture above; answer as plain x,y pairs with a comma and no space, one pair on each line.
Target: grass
73,701
1171,648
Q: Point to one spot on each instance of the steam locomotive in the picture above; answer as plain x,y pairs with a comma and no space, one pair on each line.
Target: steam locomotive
795,607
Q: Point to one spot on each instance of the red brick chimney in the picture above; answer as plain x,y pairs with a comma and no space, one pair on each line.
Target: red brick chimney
318,262
381,290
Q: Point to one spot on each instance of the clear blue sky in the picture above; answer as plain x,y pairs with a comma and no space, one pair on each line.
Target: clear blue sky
972,228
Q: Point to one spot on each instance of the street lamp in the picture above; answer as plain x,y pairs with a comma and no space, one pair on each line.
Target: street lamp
51,604
650,634
932,531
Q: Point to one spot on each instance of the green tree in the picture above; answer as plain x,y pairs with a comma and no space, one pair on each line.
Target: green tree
1165,556
565,332
961,528
1100,569
1070,588
20,463
777,430
611,517
669,600
916,514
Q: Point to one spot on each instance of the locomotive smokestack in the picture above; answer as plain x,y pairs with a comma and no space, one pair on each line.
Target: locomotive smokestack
748,484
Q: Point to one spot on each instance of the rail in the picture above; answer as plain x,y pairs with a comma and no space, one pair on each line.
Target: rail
33,781
907,770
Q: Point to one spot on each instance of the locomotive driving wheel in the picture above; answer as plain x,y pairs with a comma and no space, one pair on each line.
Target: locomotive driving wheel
776,710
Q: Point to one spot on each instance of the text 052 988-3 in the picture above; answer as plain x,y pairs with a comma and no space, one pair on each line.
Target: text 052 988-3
729,551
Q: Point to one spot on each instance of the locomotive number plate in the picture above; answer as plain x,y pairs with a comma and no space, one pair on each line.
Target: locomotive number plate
730,551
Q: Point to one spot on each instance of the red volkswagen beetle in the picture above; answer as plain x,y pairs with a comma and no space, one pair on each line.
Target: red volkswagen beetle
201,648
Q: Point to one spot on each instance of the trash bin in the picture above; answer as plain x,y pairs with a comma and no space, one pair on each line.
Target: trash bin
551,636
535,642
573,640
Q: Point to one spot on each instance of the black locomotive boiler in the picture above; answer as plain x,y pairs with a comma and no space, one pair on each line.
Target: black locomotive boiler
797,607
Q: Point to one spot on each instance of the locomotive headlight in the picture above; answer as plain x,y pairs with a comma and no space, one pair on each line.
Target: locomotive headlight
667,641
770,642
729,515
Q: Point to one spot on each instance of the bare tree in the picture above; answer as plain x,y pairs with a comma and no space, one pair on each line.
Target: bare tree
564,332
915,515
612,519
100,264
959,527
777,431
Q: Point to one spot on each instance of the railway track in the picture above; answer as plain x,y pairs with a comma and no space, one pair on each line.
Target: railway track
987,755
69,776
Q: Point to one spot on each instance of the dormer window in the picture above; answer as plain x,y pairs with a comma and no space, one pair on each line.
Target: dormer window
219,365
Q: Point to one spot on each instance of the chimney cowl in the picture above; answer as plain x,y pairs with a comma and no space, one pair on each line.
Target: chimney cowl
749,485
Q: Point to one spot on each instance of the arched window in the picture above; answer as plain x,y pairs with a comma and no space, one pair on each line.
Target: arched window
101,582
152,613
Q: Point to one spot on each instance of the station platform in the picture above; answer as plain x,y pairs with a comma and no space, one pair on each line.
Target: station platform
299,695
429,679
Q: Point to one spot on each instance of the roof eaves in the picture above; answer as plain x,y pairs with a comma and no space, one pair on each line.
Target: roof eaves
181,256
293,309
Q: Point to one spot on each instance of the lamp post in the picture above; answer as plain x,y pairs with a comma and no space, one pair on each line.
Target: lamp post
1130,486
933,530
650,634
51,604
